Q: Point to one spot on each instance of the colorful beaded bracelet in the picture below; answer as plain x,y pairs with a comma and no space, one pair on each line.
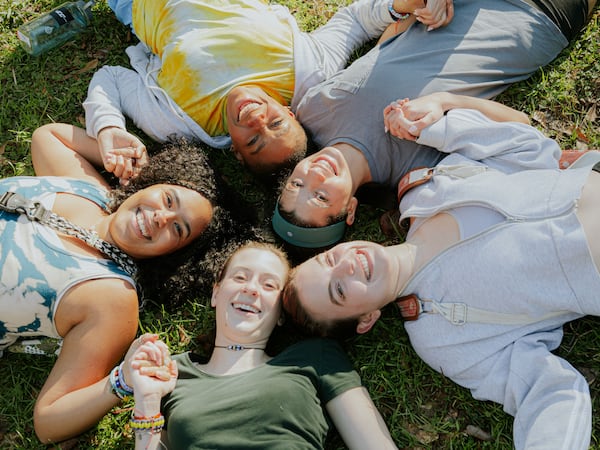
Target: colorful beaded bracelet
152,424
121,378
396,15
117,388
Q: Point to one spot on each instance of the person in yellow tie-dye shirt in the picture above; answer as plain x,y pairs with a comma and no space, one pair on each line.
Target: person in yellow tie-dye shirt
225,71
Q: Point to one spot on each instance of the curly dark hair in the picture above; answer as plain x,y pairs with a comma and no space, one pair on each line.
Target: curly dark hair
189,272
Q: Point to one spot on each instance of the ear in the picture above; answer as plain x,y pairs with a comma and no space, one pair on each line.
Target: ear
281,320
366,321
289,108
213,298
237,155
351,208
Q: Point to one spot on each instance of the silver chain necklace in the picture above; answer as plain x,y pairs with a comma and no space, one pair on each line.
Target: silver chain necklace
34,211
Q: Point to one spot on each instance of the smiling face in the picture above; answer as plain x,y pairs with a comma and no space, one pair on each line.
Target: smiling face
350,280
247,298
158,220
264,133
320,187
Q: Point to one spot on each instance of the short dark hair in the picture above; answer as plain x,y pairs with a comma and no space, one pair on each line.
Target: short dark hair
336,329
299,146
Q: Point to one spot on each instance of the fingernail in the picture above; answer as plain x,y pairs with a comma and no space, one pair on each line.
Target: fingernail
386,129
412,129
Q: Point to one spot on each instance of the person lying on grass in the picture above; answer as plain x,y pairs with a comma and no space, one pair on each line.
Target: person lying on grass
231,75
501,252
73,275
241,396
488,45
319,199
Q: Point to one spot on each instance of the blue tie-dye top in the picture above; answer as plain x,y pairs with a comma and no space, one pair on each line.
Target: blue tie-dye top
35,268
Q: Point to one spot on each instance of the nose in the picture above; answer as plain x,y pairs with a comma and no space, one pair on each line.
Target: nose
257,119
344,266
251,288
316,177
163,217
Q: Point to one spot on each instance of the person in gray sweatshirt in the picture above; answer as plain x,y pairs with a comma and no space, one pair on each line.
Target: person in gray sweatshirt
501,252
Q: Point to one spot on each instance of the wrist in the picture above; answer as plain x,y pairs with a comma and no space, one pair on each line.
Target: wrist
117,387
147,405
396,15
107,128
449,101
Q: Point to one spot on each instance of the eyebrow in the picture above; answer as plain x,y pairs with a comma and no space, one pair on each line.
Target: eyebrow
185,222
319,258
284,129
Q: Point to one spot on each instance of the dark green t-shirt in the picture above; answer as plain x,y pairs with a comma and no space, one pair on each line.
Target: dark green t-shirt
279,405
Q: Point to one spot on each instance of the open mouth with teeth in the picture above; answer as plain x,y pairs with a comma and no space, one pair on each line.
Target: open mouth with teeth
364,262
246,308
246,108
141,222
326,164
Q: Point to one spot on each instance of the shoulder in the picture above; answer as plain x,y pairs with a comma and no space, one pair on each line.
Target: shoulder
323,354
102,299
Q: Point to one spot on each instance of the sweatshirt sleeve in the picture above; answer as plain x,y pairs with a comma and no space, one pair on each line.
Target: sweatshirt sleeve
322,53
117,92
506,146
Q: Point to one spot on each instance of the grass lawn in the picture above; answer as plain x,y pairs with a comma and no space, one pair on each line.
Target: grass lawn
421,407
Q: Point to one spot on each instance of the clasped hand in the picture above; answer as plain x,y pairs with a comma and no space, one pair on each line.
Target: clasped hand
435,13
123,153
149,367
406,118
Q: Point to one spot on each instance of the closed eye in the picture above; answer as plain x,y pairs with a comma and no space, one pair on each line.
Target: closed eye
271,285
276,124
252,141
239,277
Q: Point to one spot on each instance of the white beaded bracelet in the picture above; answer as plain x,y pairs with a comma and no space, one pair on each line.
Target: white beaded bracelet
396,15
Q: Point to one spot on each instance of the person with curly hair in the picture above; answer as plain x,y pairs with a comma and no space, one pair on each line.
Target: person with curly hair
70,247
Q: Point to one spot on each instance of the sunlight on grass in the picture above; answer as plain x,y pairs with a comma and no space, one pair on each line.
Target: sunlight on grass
423,409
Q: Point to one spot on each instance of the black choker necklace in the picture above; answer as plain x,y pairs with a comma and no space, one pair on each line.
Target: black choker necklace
237,347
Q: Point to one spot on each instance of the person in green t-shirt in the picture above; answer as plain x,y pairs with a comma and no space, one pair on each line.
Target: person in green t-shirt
241,397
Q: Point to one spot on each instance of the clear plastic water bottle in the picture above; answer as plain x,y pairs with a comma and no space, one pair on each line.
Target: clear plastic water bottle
55,27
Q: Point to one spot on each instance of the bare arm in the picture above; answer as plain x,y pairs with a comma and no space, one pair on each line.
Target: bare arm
98,320
59,149
358,421
406,118
153,375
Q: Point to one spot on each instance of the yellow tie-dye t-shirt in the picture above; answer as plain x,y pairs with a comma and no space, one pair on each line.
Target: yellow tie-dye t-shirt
209,47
